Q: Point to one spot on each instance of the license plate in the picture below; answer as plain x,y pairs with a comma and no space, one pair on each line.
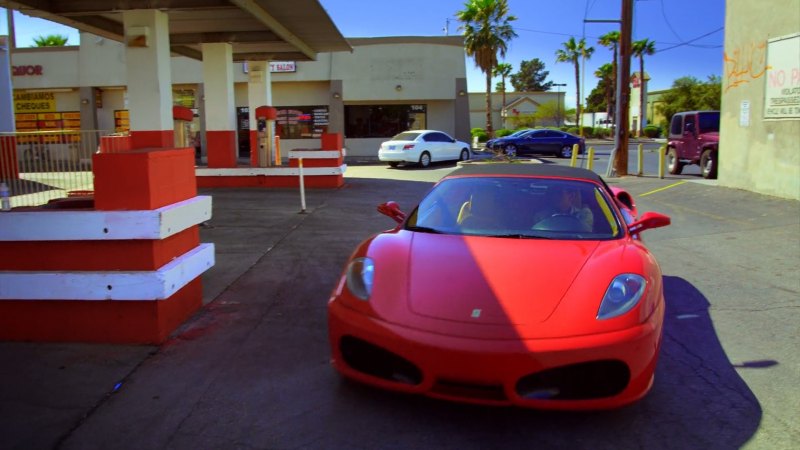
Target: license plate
391,147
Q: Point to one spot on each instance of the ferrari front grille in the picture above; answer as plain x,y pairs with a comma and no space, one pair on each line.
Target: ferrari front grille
582,381
378,362
465,390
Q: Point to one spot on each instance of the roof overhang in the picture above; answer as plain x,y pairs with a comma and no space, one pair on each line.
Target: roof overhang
265,30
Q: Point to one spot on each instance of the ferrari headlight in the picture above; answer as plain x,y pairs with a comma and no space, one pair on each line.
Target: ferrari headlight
360,274
622,295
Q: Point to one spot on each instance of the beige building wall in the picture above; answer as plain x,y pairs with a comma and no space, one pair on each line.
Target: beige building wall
759,153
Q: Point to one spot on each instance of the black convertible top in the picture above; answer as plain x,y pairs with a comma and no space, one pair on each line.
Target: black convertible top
525,169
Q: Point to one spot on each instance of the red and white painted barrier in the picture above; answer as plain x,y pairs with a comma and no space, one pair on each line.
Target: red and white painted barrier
126,271
322,168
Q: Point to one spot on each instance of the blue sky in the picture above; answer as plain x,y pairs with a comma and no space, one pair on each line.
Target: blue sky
542,26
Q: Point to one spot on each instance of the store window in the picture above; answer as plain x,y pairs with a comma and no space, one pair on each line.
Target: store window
379,121
301,122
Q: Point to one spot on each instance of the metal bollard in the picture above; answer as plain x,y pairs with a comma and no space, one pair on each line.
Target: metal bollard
302,188
574,160
640,163
661,154
590,155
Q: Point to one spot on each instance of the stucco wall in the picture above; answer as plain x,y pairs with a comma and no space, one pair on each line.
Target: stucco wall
59,68
757,154
422,71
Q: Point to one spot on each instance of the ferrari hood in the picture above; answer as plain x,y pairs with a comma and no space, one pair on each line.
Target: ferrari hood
485,280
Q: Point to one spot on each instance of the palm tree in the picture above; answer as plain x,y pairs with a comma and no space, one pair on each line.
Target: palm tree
639,49
572,52
606,75
502,70
610,40
51,40
487,30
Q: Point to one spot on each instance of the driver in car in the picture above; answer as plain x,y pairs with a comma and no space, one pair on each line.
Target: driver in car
567,202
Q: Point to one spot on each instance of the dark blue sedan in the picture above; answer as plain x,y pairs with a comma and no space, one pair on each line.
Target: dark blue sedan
552,142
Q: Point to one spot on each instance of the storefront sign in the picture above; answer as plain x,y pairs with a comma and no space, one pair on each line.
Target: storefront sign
282,66
21,71
34,102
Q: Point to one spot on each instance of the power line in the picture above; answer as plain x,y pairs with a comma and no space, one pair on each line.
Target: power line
669,25
692,40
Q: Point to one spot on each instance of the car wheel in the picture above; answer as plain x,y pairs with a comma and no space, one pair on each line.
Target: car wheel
464,155
394,164
708,164
674,165
565,152
511,150
425,159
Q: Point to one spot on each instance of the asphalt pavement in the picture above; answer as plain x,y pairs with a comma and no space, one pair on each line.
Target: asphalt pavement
251,368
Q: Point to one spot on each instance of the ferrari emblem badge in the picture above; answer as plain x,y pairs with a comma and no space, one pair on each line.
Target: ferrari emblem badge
476,313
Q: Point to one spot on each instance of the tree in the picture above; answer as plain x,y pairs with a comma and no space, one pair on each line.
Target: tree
531,77
549,113
610,40
690,94
502,70
572,52
639,49
601,96
487,30
51,40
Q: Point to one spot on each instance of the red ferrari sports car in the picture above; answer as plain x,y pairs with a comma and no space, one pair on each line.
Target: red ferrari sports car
509,284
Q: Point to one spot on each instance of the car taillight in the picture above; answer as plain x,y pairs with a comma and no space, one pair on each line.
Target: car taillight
408,146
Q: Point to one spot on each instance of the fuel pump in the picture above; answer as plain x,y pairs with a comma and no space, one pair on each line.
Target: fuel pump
265,117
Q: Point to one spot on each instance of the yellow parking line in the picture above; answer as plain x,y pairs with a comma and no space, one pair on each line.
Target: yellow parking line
663,188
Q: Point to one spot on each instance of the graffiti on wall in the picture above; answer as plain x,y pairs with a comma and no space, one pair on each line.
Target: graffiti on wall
745,64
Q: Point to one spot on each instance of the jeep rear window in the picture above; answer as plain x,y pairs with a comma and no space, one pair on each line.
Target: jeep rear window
709,121
676,127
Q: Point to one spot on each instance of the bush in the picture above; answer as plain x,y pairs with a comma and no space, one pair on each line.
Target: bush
652,131
476,131
588,132
482,136
573,130
502,132
602,132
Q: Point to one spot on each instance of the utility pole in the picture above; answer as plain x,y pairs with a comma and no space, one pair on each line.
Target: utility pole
623,89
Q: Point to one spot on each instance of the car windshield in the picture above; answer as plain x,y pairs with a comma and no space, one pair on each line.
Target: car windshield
517,207
518,133
406,136
709,121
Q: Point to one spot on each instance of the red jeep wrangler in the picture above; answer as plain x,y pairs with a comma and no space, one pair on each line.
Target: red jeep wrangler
694,139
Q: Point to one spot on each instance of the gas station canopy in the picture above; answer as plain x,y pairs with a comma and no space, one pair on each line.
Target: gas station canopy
258,30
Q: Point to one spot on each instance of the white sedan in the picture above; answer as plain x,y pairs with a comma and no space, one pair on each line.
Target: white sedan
422,147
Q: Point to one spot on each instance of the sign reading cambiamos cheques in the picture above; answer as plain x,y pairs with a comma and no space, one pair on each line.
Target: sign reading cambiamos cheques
34,102
782,97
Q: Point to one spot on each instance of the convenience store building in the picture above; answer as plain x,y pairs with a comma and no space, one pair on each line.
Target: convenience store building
380,88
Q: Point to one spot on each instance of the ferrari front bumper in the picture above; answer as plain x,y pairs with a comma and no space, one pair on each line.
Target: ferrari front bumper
596,371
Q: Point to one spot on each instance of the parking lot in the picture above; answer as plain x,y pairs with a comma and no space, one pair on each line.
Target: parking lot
251,369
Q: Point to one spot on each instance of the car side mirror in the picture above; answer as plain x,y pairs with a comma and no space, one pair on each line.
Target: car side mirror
648,221
392,209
